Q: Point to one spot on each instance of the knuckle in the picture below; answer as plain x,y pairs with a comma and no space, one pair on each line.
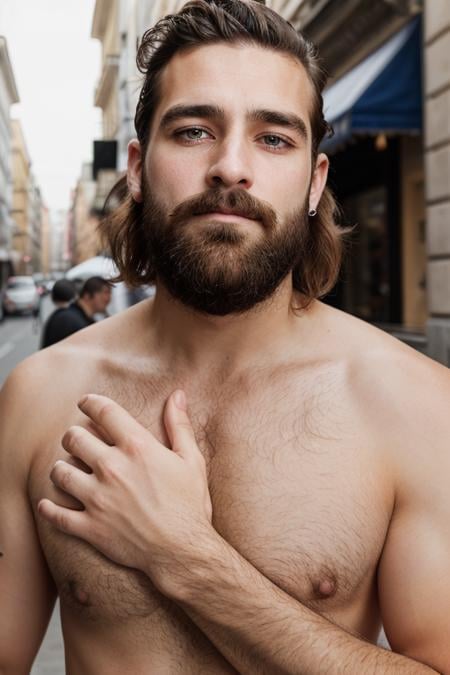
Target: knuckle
98,501
134,444
105,410
62,521
106,468
64,478
100,466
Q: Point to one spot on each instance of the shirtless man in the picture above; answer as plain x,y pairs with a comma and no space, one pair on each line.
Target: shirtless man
255,481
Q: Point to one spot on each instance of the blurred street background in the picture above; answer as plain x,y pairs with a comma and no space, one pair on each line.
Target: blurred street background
68,90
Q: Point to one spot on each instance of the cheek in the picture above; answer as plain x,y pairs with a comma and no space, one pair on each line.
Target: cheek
285,189
172,178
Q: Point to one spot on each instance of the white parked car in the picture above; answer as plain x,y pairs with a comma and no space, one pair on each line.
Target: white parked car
21,296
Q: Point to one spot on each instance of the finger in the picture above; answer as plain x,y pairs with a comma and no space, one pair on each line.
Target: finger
97,432
81,443
71,459
66,520
178,425
112,419
75,482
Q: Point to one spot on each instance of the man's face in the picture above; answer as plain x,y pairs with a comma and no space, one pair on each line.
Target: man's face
101,300
226,177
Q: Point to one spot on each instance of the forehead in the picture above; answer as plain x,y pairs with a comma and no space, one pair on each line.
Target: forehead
236,77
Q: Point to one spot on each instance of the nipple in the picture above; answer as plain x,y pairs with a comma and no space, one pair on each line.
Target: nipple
80,596
326,588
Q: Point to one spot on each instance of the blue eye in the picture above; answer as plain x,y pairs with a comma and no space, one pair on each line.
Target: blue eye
274,141
192,134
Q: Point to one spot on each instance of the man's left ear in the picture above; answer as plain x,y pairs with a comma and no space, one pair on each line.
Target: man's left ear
319,180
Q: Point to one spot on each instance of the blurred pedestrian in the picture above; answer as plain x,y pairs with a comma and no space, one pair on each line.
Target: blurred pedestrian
95,296
62,294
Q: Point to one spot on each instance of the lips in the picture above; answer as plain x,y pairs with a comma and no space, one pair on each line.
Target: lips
228,212
231,212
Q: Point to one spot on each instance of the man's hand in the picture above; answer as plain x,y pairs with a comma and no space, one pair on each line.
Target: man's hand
145,506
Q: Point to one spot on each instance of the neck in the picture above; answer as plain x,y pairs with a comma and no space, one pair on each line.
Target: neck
85,306
189,340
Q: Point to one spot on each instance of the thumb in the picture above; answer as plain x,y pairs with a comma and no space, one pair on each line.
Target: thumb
178,425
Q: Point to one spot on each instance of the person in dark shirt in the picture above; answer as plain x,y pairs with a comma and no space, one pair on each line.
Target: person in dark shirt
63,293
95,295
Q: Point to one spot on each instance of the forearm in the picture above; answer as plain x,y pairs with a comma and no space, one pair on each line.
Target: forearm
260,629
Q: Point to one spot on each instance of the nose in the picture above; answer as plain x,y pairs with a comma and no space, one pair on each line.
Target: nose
230,165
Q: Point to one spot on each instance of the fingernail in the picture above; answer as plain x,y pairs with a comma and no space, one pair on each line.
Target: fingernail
180,400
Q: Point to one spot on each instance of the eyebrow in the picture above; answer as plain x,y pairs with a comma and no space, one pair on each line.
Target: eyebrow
282,119
179,111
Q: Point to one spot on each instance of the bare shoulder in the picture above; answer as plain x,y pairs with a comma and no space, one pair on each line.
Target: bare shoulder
402,395
38,393
384,366
45,379
33,397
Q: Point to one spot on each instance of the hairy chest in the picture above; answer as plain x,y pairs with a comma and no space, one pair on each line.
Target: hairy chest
292,491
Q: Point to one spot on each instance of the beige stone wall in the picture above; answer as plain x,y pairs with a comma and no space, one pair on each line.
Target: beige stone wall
111,112
20,205
437,149
413,234
106,29
110,42
45,240
87,240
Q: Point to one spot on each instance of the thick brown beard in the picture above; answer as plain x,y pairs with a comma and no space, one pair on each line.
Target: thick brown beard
215,268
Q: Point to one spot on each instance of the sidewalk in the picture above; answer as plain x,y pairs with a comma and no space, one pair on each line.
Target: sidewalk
50,660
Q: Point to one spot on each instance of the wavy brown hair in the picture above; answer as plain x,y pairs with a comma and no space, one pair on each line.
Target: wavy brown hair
241,22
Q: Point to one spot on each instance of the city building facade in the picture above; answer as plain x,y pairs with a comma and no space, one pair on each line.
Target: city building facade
45,240
26,208
108,96
85,221
8,96
21,169
35,208
437,174
60,254
105,27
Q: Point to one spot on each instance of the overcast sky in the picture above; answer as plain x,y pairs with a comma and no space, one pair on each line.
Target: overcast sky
56,66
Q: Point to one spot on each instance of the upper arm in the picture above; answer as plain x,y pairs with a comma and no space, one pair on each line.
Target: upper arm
26,589
414,571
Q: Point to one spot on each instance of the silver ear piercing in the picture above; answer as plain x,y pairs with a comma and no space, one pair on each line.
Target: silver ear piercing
312,213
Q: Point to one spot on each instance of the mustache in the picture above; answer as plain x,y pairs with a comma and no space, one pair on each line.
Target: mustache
237,201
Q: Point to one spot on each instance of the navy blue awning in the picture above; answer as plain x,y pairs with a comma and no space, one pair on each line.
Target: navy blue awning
382,94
